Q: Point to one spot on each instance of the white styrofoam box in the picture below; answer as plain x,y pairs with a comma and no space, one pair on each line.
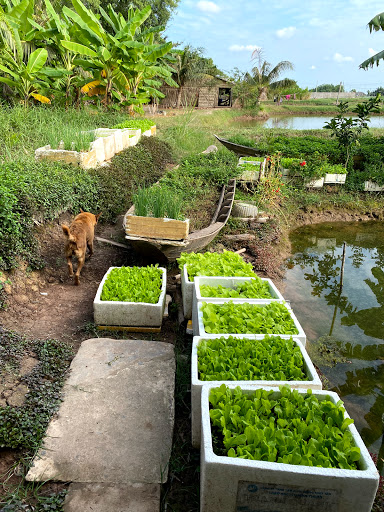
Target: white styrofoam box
130,137
313,381
187,288
227,282
371,186
200,331
315,183
147,133
335,178
228,484
129,313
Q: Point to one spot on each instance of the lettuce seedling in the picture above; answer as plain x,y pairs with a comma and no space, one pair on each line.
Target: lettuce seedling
292,428
133,284
247,318
272,358
254,289
215,264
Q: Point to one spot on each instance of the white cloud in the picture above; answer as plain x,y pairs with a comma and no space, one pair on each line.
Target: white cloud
286,33
206,6
312,67
372,52
340,58
243,48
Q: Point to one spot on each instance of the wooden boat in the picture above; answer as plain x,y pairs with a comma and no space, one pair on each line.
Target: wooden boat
154,248
239,149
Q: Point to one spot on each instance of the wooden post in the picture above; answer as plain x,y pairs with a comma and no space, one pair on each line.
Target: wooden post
337,101
342,266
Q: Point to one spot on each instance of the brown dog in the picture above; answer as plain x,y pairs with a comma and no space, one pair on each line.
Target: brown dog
79,236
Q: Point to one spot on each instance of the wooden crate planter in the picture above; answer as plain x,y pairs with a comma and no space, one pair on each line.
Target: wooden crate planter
136,314
152,227
231,483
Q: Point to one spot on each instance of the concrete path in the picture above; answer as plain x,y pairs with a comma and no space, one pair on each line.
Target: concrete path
114,428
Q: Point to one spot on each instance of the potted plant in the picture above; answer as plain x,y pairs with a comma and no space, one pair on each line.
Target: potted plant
247,317
193,264
334,173
131,296
281,449
157,215
254,360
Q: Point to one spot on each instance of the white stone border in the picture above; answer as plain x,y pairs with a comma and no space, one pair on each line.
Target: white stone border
108,143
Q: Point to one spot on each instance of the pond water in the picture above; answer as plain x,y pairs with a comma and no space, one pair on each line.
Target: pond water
304,122
345,329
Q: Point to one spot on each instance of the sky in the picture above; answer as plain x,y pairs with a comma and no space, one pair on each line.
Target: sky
325,40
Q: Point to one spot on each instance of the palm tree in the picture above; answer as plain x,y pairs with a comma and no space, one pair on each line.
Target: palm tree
266,78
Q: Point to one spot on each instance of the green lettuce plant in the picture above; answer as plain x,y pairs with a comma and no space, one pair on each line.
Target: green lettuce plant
246,318
133,284
233,358
226,263
291,428
254,289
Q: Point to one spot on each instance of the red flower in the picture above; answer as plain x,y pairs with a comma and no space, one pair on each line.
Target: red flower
268,158
303,163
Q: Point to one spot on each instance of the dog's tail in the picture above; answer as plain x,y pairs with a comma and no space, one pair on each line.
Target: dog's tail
68,234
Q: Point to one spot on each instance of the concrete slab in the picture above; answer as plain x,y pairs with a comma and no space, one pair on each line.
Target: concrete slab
112,498
115,424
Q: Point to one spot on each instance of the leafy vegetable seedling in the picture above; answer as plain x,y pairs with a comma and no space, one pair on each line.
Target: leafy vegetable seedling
254,289
215,264
233,358
287,427
246,318
133,284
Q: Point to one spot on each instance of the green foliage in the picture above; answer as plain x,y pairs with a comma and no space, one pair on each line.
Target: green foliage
247,318
328,88
41,191
302,147
214,264
133,284
135,124
348,131
256,288
288,428
24,426
272,358
141,165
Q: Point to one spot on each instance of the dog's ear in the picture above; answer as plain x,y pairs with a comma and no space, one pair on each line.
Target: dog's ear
65,230
98,216
82,211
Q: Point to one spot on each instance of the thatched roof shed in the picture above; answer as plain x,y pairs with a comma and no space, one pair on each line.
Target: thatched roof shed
214,93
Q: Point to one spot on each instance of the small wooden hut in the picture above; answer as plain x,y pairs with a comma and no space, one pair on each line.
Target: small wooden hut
214,93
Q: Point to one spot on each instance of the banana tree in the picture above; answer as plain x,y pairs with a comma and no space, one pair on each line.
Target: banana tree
376,23
122,60
24,78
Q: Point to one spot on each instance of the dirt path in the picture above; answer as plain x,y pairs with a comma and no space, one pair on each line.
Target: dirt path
46,304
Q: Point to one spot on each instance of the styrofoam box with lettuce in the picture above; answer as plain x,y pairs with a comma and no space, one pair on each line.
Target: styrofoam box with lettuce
230,483
141,314
312,381
199,330
231,282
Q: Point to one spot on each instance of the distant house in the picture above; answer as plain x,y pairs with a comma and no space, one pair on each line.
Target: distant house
213,93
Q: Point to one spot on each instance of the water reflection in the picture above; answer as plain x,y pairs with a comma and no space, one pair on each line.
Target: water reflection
349,321
302,122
